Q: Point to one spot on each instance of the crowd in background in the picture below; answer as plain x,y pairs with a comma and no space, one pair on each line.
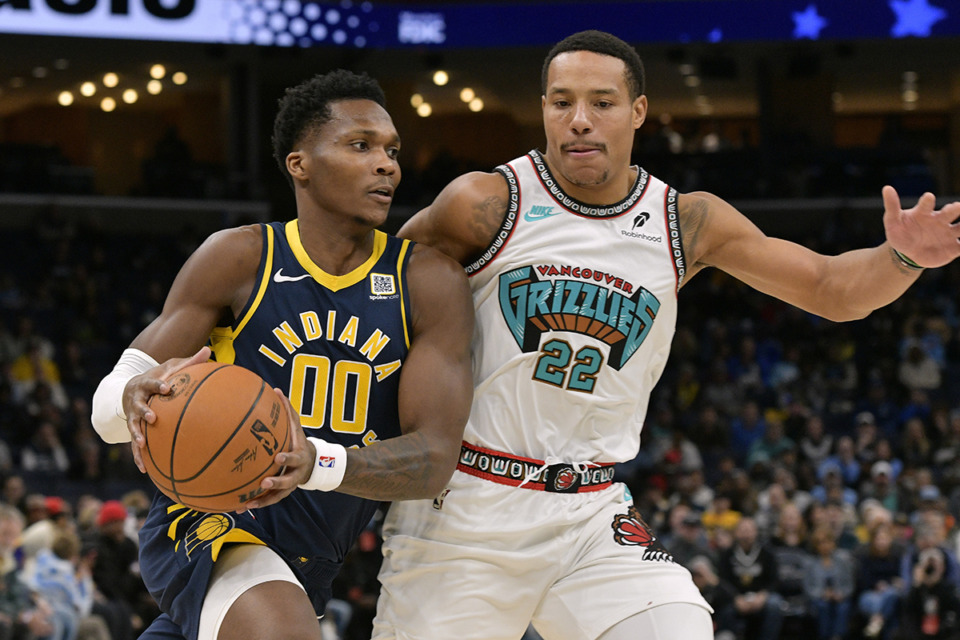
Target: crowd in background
807,472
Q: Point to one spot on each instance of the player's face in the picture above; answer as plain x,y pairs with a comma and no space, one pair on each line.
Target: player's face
349,167
590,120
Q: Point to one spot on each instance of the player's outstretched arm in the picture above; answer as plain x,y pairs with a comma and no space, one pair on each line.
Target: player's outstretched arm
436,390
844,287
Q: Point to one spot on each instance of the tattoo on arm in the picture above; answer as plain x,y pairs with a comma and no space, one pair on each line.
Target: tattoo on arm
486,218
395,469
693,217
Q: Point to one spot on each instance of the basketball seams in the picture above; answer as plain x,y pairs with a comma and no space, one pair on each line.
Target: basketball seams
146,432
226,442
176,431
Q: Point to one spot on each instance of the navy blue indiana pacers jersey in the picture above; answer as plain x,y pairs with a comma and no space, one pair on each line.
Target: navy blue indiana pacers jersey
335,346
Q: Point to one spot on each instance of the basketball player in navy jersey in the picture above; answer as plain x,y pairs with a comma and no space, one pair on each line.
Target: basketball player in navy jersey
367,334
575,260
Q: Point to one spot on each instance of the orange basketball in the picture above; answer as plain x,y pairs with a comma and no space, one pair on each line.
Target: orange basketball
215,436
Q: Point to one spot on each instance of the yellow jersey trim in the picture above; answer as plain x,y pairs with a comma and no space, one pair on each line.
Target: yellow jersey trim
221,338
334,283
403,306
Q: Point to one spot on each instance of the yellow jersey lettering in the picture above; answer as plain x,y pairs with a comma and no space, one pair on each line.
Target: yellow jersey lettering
271,355
349,333
384,370
311,325
374,344
331,323
287,337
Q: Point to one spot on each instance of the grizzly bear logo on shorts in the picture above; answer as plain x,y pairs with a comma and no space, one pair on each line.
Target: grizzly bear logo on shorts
629,530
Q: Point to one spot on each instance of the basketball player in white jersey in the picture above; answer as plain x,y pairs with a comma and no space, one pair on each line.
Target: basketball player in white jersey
575,259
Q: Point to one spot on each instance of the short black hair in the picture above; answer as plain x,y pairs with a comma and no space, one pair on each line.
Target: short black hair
306,107
606,44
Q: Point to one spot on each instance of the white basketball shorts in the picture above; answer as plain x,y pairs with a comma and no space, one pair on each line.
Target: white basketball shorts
484,560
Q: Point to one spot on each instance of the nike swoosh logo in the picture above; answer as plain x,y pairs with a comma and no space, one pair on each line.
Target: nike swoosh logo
279,277
539,214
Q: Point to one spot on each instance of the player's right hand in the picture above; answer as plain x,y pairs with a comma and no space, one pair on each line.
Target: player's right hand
139,390
296,463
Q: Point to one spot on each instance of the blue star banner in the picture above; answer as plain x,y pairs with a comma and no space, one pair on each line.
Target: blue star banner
363,24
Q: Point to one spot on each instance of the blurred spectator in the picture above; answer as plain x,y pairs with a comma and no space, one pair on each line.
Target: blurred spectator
692,489
686,538
786,370
788,481
745,370
720,517
679,455
926,539
885,453
719,594
711,435
918,370
15,492
65,582
114,572
831,485
771,446
882,407
841,517
879,584
41,534
816,444
845,458
946,456
931,606
6,459
882,486
742,492
22,613
745,429
44,453
751,568
768,510
829,584
915,445
789,544
35,367
720,392
35,508
865,439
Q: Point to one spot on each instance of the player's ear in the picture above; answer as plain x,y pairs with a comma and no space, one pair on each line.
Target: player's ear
639,111
296,165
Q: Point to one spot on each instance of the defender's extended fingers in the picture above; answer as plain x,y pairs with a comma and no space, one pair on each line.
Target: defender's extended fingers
891,199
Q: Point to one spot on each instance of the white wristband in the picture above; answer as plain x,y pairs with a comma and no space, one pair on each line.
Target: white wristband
328,468
107,407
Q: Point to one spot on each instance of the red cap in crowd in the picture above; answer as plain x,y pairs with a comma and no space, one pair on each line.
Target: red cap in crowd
111,511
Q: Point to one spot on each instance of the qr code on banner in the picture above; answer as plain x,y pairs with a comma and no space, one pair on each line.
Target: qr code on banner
382,284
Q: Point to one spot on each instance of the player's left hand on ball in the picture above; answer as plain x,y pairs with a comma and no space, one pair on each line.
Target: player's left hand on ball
139,390
296,463
928,236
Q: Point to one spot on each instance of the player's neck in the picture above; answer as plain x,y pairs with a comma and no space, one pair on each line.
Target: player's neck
336,252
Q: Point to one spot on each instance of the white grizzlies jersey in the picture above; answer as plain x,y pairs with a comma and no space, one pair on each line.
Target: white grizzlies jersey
576,310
